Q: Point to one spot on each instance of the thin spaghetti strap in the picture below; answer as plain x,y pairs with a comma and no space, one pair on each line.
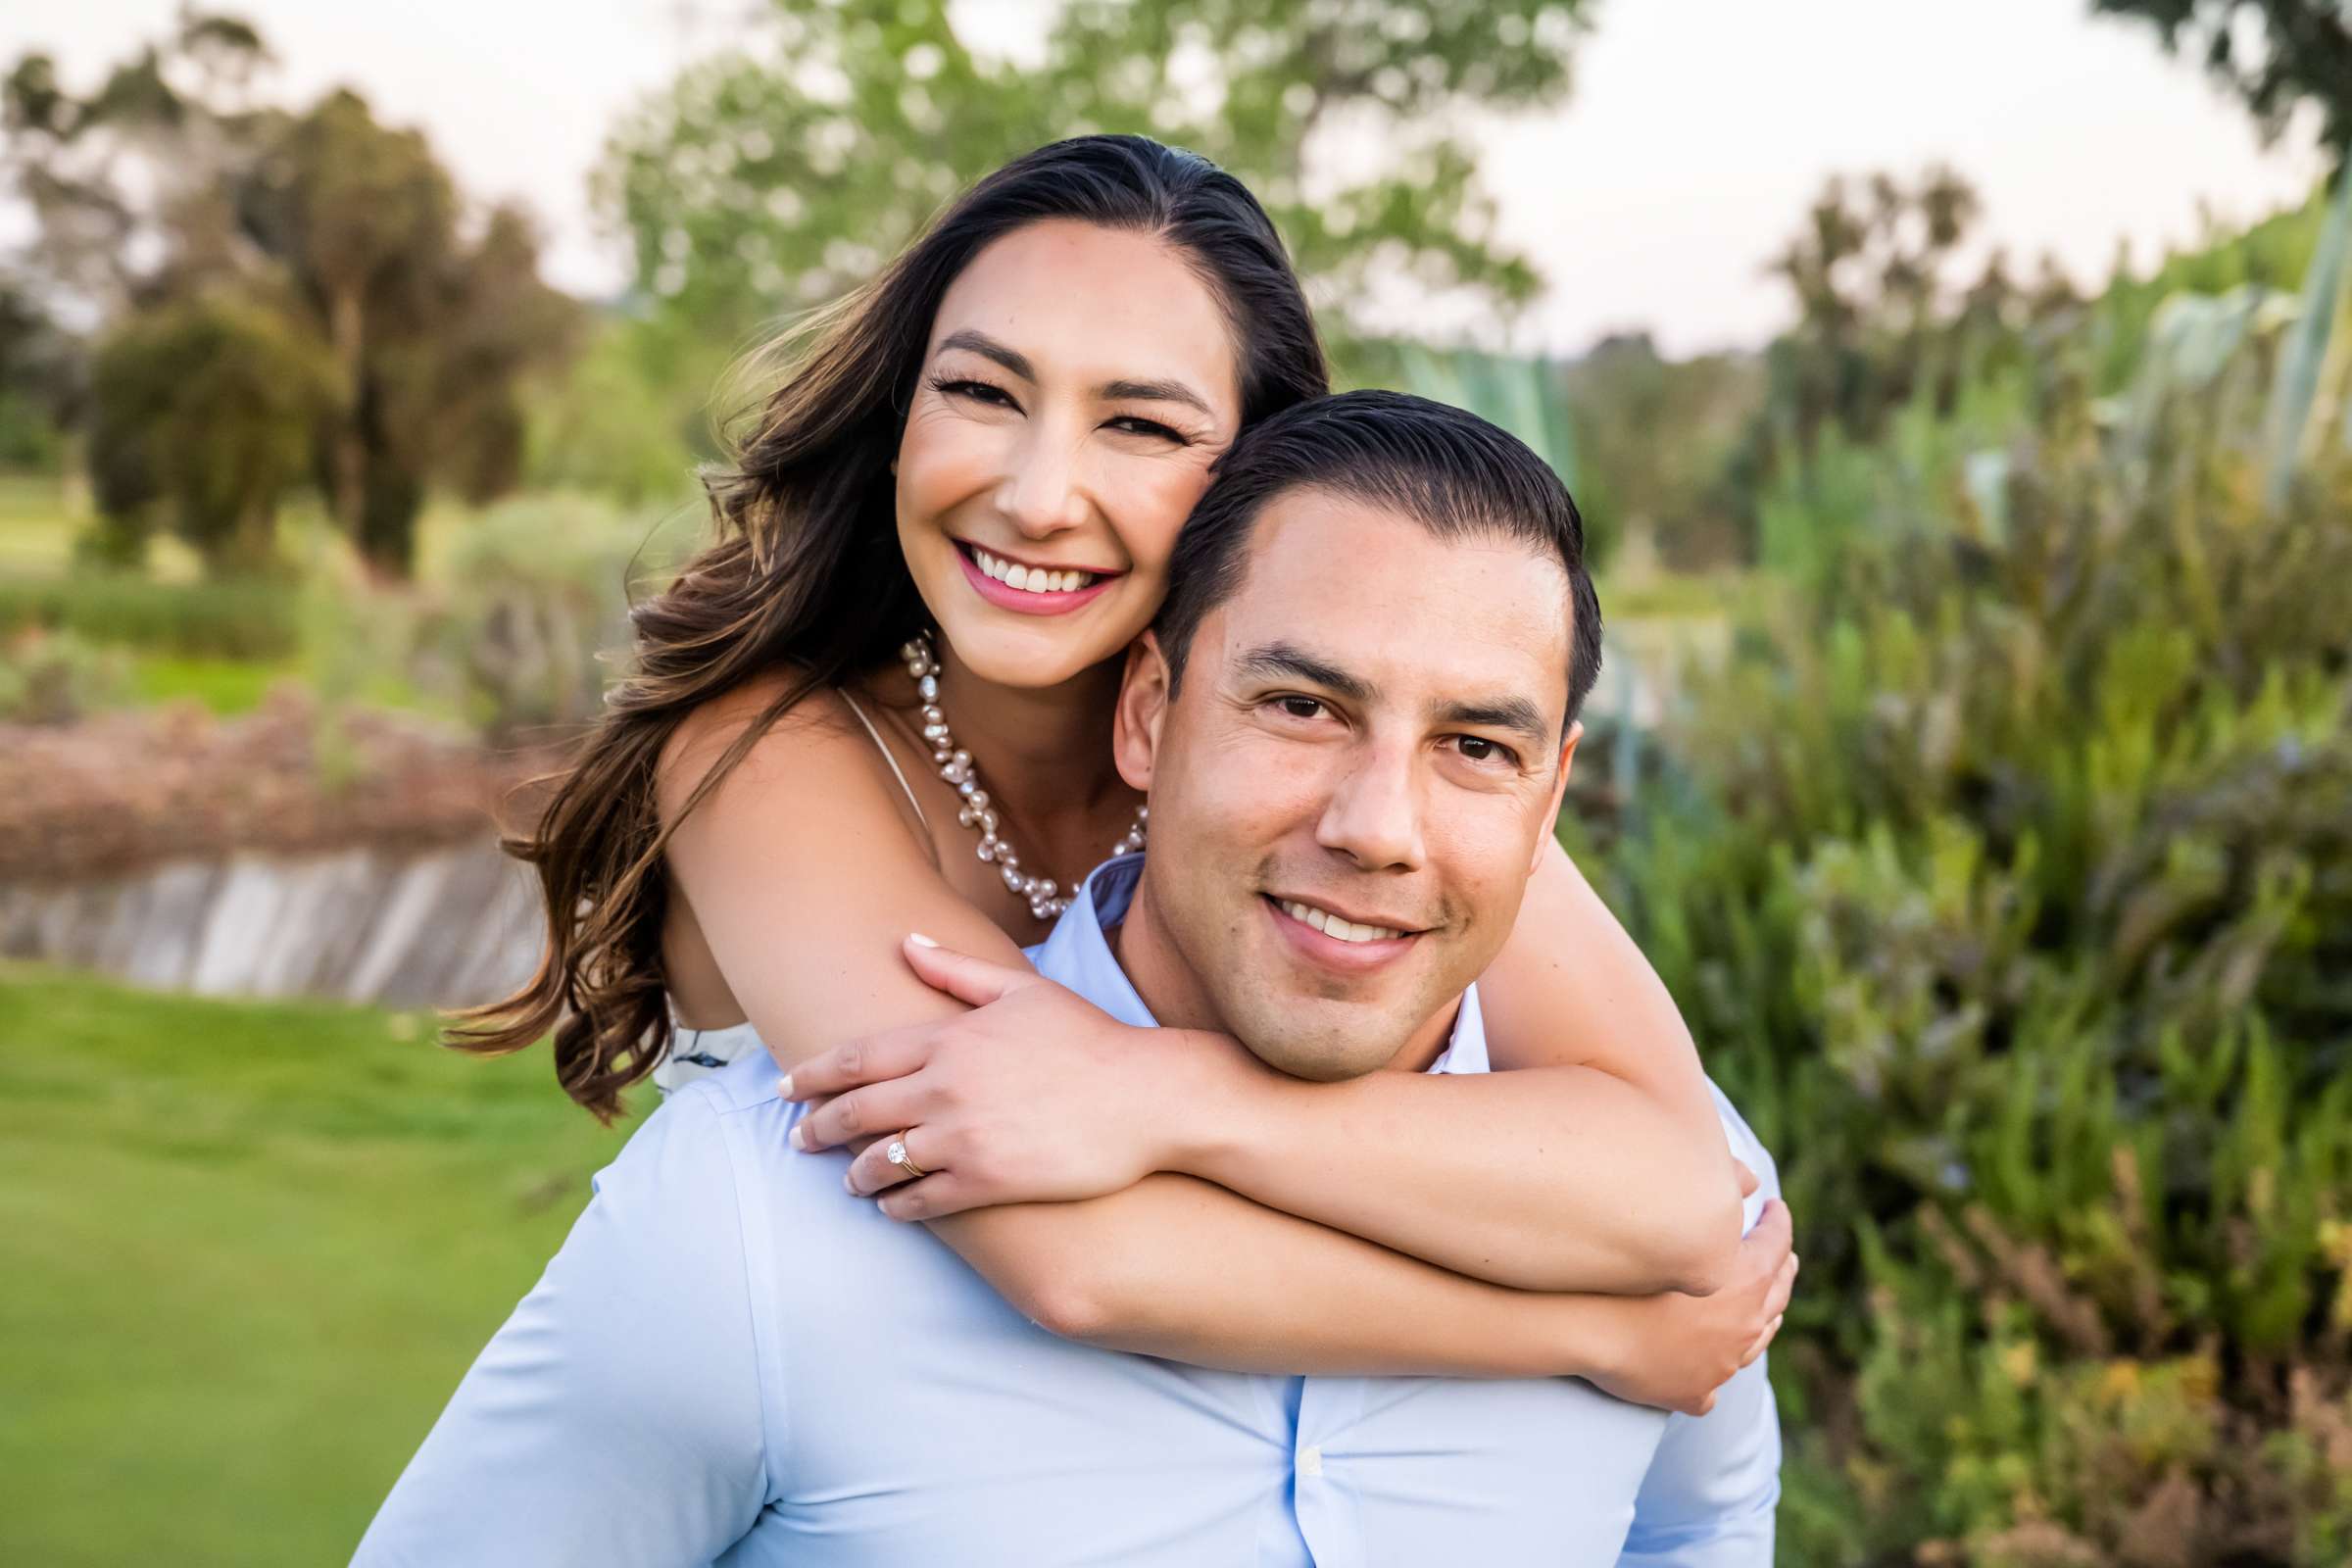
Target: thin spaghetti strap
888,757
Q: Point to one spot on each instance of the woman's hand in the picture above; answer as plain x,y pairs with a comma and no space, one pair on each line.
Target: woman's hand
1673,1352
1034,1095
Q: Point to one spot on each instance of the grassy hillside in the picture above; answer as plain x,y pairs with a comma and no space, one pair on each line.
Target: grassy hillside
248,1250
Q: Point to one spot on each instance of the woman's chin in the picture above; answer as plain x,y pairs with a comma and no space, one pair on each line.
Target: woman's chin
1033,652
1029,660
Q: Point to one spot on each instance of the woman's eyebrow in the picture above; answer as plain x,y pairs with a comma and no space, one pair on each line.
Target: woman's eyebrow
1163,390
988,348
1157,392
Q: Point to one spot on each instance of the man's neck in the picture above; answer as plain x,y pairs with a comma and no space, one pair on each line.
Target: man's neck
1172,992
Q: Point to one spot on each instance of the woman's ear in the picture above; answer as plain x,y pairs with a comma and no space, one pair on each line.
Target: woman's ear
1143,705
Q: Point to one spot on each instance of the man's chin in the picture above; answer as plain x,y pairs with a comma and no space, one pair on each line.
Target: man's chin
1318,1041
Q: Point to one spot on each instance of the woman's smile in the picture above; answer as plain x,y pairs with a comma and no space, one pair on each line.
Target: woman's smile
1028,588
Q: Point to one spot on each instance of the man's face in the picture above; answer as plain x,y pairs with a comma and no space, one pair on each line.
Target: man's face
1353,787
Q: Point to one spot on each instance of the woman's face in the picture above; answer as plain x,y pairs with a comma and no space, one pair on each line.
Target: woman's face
1077,384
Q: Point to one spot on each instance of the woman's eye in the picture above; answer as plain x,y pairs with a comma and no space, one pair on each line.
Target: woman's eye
1135,425
977,391
1479,749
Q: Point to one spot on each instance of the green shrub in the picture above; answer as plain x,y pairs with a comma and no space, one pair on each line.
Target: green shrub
2005,873
225,619
535,608
55,678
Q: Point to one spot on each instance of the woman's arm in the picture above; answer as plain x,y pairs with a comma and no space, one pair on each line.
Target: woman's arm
1291,1297
1039,1096
804,873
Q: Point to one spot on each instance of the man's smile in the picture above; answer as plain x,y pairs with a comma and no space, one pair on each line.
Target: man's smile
1331,940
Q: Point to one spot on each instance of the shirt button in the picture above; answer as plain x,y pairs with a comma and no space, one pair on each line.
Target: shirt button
1310,1461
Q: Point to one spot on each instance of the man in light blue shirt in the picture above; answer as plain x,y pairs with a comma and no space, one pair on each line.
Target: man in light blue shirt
732,1361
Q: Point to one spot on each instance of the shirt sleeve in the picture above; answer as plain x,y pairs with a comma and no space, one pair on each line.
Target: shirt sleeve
616,1418
1712,1490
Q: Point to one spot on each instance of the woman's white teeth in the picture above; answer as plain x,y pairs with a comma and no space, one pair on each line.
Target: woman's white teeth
1331,925
1032,579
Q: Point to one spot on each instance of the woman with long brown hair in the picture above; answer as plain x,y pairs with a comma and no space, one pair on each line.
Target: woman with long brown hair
880,704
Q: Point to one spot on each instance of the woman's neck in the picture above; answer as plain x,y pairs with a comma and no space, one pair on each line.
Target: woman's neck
1043,750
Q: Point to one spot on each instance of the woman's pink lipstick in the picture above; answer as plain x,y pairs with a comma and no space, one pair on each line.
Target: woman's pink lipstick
1020,600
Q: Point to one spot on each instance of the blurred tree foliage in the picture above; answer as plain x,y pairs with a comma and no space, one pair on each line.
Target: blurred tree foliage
207,407
40,380
1654,438
169,192
767,181
2275,54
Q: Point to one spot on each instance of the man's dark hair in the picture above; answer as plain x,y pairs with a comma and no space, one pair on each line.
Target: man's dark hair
1448,469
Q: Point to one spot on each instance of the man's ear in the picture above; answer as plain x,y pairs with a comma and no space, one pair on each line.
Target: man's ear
1143,705
1560,792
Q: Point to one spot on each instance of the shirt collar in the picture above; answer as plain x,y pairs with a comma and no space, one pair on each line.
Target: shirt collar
1077,954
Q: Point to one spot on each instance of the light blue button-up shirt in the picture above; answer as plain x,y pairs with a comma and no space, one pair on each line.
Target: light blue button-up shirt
733,1361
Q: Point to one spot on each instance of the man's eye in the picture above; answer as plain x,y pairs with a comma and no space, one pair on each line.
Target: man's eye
1300,707
1479,749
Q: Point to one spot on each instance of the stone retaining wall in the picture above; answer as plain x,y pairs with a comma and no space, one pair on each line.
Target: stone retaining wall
444,926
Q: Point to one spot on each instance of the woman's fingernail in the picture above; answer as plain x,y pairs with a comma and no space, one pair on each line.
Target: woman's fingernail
848,1186
784,1085
800,1135
921,940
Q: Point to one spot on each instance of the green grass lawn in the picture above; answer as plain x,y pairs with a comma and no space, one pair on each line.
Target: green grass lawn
246,1252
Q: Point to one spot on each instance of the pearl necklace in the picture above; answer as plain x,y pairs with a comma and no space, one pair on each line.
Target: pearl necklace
1045,900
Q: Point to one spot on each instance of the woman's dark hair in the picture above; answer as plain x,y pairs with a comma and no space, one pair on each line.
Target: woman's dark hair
806,572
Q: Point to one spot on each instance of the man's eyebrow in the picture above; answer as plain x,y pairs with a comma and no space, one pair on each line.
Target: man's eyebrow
1163,390
988,348
1514,714
1282,660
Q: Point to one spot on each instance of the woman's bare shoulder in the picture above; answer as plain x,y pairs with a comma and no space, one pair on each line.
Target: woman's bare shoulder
813,745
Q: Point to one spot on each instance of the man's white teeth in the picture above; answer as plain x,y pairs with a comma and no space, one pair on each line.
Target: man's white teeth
1331,925
1032,579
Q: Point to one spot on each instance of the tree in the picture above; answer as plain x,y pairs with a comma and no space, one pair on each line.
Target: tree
430,332
755,184
2275,54
39,379
169,187
205,407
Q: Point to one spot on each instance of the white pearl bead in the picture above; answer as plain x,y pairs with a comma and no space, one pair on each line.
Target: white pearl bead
928,686
1013,878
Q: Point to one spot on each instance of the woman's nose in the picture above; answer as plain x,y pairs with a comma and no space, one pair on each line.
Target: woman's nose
1044,492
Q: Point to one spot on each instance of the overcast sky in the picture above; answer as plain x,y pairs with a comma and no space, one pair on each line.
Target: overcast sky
1698,131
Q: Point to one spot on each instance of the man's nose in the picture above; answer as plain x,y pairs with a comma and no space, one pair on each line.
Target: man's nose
1374,813
1044,493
